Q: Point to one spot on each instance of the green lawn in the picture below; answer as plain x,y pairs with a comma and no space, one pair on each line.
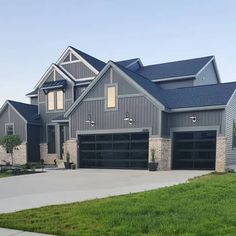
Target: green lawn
5,174
205,206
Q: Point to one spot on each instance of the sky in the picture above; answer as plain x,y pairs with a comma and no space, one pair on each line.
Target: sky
33,34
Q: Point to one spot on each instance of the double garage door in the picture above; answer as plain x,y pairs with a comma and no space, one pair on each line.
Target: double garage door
194,150
123,150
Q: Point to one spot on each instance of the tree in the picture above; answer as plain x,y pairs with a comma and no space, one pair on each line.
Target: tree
9,143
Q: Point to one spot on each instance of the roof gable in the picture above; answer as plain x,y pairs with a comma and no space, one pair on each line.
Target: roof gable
28,112
141,83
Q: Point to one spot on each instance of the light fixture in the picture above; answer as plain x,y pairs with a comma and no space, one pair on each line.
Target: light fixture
126,117
194,118
90,121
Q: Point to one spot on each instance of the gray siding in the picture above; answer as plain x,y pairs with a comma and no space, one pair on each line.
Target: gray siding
34,101
79,90
176,84
47,117
230,118
10,116
204,119
207,76
141,110
144,113
78,70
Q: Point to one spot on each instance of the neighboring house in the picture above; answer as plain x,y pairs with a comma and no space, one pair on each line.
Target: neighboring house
110,115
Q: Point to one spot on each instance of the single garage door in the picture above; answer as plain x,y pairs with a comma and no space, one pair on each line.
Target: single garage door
194,150
123,150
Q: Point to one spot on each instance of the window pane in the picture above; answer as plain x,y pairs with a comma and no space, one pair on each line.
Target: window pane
9,130
51,139
51,101
111,97
60,100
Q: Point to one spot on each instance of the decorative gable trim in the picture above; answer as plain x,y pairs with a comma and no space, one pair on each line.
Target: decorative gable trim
68,50
99,76
52,68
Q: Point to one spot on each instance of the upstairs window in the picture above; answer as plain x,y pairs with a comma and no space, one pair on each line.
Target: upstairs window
55,100
111,96
9,129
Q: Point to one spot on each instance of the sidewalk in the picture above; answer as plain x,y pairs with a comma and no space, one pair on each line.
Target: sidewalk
12,232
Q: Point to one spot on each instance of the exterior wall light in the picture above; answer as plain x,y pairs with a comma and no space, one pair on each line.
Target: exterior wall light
90,121
127,118
194,118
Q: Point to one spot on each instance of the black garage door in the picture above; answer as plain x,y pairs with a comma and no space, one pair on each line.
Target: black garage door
128,150
194,150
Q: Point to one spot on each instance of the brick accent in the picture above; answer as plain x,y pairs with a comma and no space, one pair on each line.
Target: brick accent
48,158
163,152
19,155
70,146
220,154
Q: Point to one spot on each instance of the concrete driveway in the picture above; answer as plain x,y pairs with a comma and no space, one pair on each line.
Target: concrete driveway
64,186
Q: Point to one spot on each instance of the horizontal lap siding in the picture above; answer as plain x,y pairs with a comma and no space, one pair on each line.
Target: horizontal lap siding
230,118
141,110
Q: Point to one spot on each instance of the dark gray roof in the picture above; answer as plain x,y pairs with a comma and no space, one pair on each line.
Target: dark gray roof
96,63
60,118
197,96
200,96
153,89
174,69
126,63
35,92
29,112
54,84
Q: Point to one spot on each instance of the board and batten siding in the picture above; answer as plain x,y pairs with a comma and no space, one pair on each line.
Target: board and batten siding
143,112
207,76
48,116
10,116
78,70
230,118
181,120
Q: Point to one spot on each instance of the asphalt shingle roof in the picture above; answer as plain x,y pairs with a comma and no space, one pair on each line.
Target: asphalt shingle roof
174,69
96,63
28,111
54,84
197,96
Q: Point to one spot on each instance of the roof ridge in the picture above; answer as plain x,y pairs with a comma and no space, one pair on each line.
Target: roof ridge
191,59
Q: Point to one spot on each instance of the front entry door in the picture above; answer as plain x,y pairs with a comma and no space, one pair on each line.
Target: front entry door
62,140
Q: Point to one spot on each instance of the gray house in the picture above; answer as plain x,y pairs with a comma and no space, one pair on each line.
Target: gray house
110,115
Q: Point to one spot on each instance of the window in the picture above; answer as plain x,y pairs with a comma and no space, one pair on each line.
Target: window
51,101
234,135
60,100
9,129
51,139
55,100
111,96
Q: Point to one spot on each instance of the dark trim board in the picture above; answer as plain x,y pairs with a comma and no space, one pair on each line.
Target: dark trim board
119,150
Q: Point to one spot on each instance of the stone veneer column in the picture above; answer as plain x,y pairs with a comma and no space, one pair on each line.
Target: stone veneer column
19,155
70,146
163,152
48,158
220,154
